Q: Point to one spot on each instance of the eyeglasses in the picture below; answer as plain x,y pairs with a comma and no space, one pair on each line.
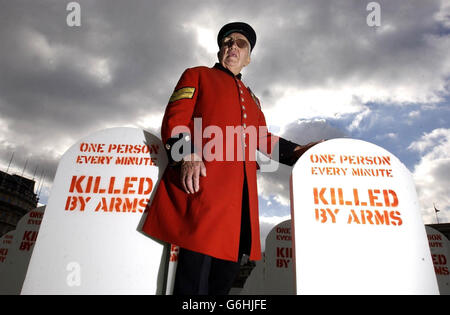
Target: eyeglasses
228,41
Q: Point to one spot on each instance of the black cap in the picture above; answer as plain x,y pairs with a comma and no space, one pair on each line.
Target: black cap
238,27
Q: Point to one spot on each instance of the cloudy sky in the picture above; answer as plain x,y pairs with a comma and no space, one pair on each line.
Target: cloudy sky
319,69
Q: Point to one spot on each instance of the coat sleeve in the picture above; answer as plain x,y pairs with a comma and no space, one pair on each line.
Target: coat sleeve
177,122
277,148
266,141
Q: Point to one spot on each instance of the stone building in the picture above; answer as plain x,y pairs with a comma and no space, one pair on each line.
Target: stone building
17,197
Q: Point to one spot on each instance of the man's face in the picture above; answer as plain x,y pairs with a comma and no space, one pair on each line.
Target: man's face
234,53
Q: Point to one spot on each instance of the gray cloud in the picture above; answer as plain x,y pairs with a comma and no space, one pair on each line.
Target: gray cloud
329,45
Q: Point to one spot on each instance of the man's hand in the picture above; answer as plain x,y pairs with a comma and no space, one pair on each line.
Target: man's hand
191,169
300,149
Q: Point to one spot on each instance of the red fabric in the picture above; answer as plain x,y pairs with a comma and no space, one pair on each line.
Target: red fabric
209,220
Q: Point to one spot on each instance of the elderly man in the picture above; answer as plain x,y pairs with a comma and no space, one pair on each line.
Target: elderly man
207,200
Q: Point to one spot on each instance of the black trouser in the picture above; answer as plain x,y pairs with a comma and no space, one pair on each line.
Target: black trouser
200,274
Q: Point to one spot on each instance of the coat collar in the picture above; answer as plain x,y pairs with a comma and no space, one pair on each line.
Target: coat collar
220,67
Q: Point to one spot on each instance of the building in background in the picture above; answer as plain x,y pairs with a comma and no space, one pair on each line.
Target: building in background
17,197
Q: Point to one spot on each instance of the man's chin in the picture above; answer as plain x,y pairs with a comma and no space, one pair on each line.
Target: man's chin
231,62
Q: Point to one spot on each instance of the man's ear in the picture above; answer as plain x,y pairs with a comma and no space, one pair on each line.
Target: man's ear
248,60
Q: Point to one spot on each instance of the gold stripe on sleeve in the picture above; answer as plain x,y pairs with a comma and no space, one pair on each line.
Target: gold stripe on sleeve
183,93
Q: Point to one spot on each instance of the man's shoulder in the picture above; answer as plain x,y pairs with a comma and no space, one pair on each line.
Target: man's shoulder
202,72
194,73
199,69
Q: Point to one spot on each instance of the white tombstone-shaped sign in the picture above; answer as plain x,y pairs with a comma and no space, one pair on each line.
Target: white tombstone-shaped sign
172,267
90,240
6,242
16,265
440,253
255,284
357,223
279,260
274,274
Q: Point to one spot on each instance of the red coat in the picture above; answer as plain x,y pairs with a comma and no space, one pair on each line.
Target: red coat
209,220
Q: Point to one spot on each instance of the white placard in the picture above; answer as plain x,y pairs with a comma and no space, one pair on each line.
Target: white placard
274,274
440,254
279,260
90,240
173,263
255,284
16,264
357,223
6,242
